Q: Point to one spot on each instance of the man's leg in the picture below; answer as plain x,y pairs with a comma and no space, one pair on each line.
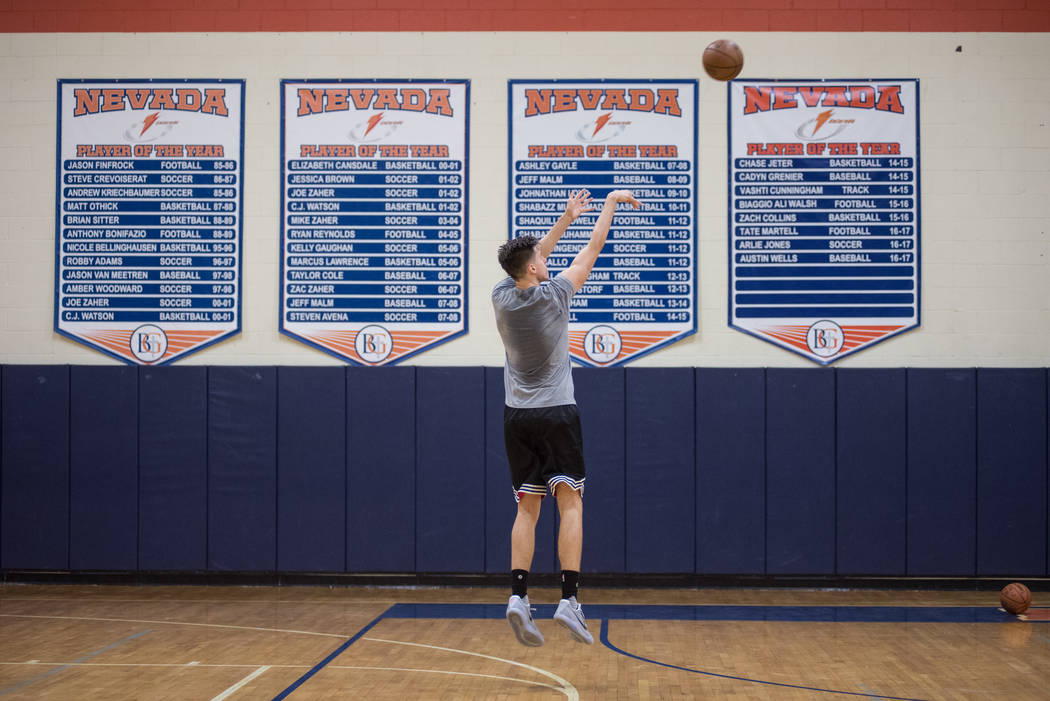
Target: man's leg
570,529
523,535
570,548
522,545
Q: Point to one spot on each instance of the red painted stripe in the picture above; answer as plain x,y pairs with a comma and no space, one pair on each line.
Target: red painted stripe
20,16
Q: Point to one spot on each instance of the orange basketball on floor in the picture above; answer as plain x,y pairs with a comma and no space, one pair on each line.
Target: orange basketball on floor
723,59
1015,598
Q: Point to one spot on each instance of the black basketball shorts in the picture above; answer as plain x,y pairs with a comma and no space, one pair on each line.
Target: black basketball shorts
544,448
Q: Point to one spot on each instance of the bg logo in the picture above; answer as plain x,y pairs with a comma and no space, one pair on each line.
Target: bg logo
373,344
825,338
149,343
602,344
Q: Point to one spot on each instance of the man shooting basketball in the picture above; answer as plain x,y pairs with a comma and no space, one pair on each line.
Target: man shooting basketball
541,425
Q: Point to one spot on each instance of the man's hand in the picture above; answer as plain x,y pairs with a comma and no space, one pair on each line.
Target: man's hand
581,265
579,203
627,196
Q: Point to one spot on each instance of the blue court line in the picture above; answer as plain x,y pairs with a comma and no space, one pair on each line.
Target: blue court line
606,643
650,612
323,663
56,670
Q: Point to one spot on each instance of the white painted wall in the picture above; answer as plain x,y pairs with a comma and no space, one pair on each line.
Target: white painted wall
985,143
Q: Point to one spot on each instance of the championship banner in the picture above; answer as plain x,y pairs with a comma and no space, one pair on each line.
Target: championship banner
824,212
148,222
603,136
373,215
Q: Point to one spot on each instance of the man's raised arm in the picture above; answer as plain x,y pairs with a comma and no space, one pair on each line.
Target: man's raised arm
579,203
581,265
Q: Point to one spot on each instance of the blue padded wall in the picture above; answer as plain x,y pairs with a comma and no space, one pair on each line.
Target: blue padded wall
381,469
731,470
942,472
103,468
242,468
34,482
500,507
1011,472
601,398
450,469
661,488
311,469
922,472
800,471
499,516
871,480
173,468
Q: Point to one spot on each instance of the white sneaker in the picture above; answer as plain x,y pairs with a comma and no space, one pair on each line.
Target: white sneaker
570,615
519,615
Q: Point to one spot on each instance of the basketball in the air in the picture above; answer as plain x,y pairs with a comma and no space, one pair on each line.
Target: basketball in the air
723,59
1015,598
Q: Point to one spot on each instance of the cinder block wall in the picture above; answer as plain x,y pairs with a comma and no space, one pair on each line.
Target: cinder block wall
985,142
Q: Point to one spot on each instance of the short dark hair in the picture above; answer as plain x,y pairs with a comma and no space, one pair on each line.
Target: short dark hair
515,254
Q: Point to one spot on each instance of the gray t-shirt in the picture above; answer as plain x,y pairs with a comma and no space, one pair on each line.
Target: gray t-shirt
534,325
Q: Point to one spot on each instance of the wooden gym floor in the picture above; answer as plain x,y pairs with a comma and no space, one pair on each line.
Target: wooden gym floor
402,644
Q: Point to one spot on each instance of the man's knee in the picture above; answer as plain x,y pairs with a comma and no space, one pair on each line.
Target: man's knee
567,496
529,505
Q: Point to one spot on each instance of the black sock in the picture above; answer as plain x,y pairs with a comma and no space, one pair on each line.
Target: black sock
519,582
570,583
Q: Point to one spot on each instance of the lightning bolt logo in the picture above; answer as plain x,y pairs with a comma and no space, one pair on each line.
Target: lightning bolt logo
821,118
372,122
148,122
601,122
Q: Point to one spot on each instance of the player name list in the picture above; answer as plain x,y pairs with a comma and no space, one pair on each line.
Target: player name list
826,236
644,273
375,239
149,239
